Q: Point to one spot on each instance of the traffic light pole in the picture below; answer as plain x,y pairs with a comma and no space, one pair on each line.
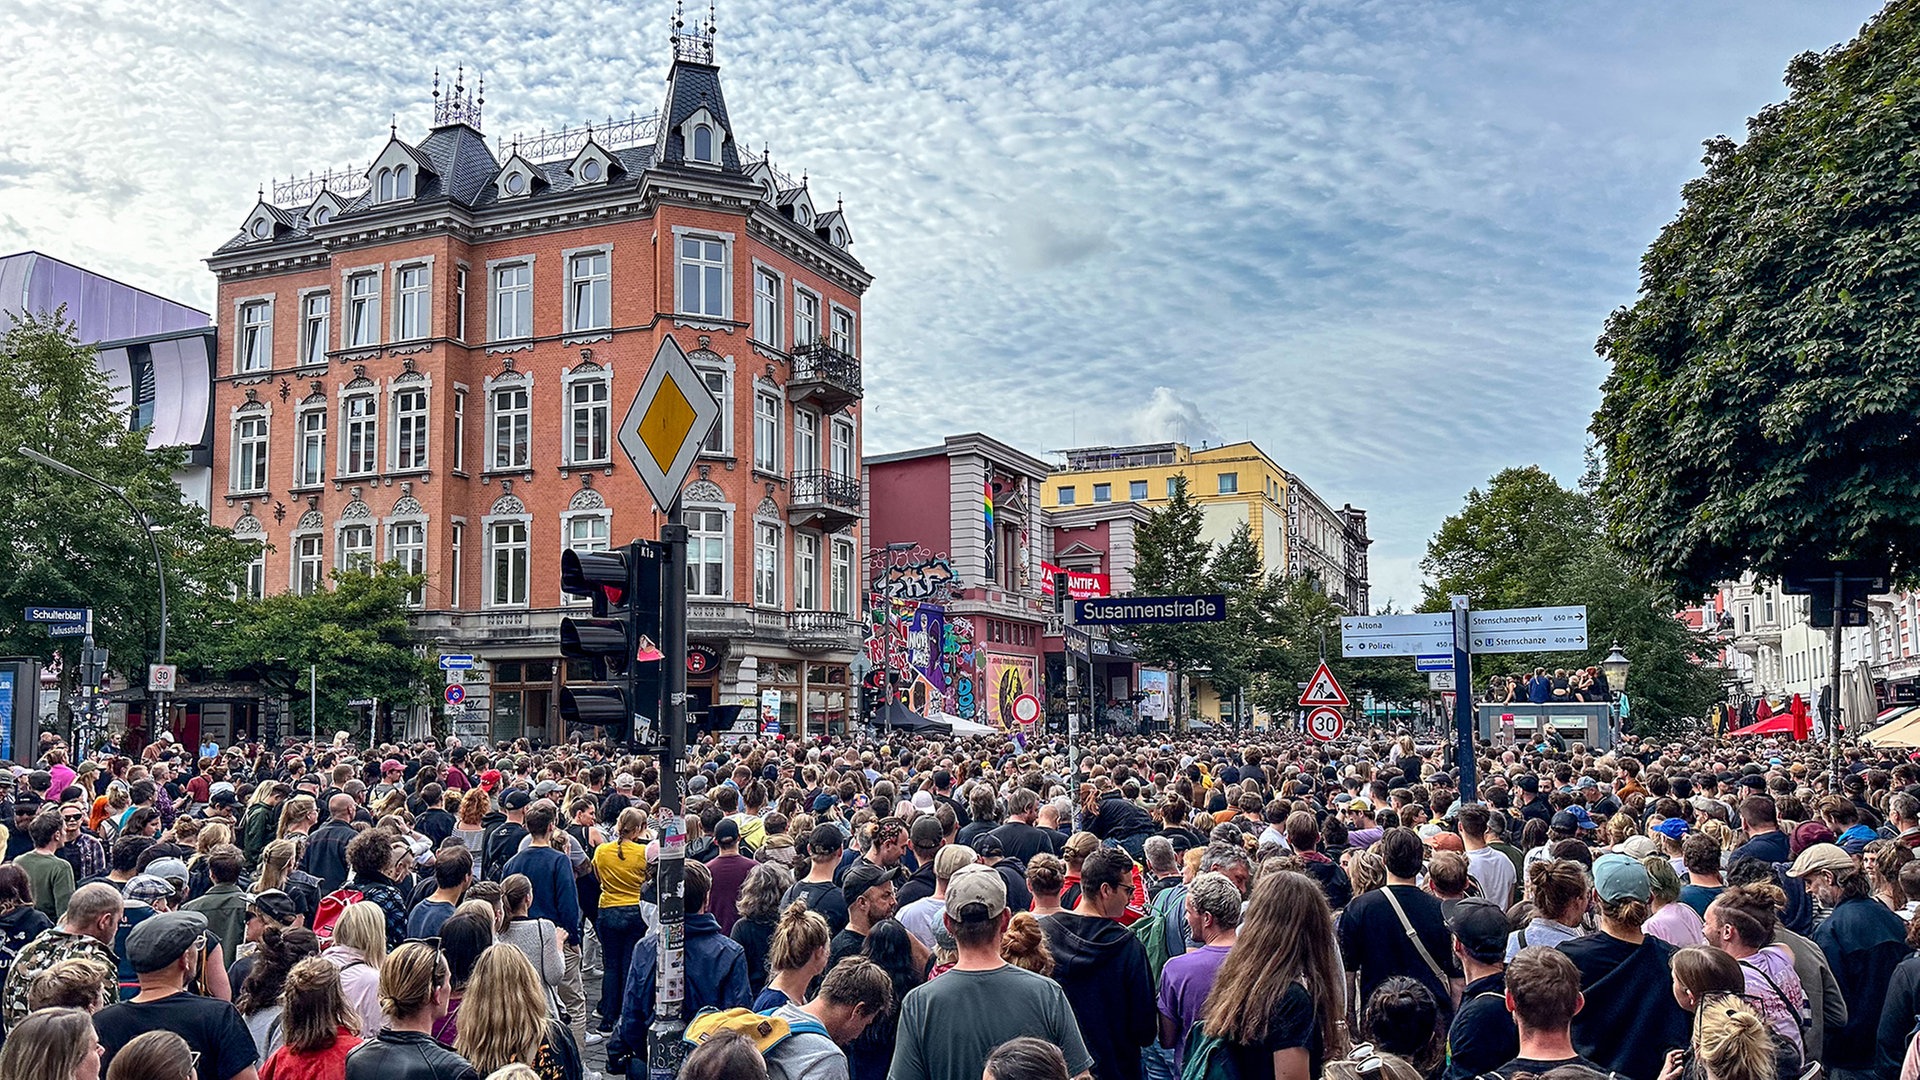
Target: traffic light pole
665,1050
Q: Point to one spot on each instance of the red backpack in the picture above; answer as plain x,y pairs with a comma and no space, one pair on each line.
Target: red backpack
332,906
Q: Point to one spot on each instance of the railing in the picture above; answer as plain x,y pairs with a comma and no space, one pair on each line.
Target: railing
821,362
821,487
822,629
635,130
299,191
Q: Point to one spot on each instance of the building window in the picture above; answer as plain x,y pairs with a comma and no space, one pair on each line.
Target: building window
316,321
356,548
766,432
766,307
806,572
703,276
362,435
843,331
256,336
806,441
407,545
310,468
512,301
1173,486
1136,489
702,143
1102,493
588,409
512,429
766,564
806,318
456,554
363,310
840,586
707,553
589,291
717,440
410,429
1066,496
250,454
508,564
843,462
394,183
256,581
460,303
1229,483
411,285
460,429
309,564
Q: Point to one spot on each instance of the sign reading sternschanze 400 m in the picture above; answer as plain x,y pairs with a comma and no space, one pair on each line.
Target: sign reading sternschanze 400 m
1151,609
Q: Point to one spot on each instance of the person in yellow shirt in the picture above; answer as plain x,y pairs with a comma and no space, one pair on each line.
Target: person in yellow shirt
622,864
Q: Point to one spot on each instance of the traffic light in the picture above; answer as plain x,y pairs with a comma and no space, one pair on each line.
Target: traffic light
617,641
93,666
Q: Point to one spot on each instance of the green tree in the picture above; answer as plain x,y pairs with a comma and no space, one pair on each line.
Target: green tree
1171,559
1243,643
1561,556
70,543
355,634
1766,381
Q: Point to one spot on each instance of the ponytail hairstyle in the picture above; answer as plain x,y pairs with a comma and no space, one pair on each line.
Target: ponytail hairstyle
798,937
276,862
627,830
316,1008
1753,911
1733,1042
279,951
1557,885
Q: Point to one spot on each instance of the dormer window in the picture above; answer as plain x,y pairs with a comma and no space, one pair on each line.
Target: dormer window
517,178
703,143
322,215
516,183
803,214
590,171
262,228
395,183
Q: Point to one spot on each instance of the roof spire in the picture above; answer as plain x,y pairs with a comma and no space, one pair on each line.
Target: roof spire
695,45
461,106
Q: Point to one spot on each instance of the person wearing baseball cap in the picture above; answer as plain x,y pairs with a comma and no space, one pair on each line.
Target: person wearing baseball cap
868,892
730,870
1482,1037
1630,1018
949,1025
165,952
1862,939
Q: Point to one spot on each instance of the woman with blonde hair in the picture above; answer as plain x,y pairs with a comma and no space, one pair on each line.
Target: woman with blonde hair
319,1027
538,939
796,956
505,1019
298,816
52,1044
359,949
415,986
1277,1000
622,866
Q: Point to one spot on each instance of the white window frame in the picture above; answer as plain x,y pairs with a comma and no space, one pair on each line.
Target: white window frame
1064,495
459,428
768,287
843,455
719,439
254,585
252,452
806,316
253,340
456,558
843,330
571,540
316,325
589,382
683,304
806,441
411,554
700,541
413,303
598,289
368,424
516,298
1103,493
524,544
305,436
766,429
363,308
806,571
766,563
523,412
418,419
460,303
349,559
296,580
840,583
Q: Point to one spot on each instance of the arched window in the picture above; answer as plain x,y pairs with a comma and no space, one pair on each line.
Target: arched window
322,215
384,186
400,187
702,143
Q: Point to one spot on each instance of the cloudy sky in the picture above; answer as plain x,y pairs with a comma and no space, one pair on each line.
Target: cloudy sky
1378,237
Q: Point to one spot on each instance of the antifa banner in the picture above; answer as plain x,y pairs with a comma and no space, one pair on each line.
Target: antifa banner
1081,585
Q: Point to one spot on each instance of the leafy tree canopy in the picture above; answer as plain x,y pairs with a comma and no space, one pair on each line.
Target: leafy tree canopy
1766,382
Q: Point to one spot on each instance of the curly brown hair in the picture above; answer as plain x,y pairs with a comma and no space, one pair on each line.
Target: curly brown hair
1025,945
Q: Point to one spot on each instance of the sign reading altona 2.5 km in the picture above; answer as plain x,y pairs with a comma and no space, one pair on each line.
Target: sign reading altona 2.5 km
1151,609
1541,629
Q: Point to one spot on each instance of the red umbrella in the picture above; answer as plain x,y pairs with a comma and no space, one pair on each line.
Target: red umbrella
1763,710
1802,718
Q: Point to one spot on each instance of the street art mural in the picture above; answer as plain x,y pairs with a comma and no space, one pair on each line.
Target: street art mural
929,654
922,580
1008,677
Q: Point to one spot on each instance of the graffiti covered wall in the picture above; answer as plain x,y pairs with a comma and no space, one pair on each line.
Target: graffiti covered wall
931,656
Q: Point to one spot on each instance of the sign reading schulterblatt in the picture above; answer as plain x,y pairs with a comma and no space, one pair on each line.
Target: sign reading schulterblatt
1151,609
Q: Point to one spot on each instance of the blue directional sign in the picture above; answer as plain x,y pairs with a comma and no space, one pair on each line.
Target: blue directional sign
59,614
1433,663
67,629
1151,609
455,661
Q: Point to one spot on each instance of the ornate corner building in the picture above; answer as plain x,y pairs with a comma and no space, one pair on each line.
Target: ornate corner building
424,362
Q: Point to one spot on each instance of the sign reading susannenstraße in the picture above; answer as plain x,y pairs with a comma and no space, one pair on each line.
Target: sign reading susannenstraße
1151,609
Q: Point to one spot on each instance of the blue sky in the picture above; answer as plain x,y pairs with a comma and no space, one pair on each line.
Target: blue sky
1379,237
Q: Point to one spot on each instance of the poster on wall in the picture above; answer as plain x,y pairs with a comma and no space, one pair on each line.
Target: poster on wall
6,714
1153,694
769,712
1008,678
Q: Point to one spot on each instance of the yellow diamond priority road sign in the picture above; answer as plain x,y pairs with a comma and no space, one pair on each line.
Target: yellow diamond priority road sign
667,421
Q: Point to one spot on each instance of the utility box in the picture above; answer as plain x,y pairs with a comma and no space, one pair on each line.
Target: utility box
19,708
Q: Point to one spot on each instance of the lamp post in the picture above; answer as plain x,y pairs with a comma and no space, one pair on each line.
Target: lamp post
1615,667
139,516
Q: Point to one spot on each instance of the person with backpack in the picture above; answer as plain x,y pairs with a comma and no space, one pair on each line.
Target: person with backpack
502,840
1212,913
852,996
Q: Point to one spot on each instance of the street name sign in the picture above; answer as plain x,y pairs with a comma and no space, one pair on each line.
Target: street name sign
74,629
1397,635
455,661
1326,724
1429,637
1323,690
59,614
1151,609
667,421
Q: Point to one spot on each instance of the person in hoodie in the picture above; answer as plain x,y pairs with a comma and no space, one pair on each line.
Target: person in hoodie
716,974
1103,967
1628,1022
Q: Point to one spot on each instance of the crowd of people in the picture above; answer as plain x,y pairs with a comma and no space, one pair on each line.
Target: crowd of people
928,909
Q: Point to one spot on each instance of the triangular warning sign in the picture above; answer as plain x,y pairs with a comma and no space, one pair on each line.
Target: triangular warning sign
1324,689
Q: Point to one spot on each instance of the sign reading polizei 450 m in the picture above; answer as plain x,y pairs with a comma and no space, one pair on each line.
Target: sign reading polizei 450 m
1151,609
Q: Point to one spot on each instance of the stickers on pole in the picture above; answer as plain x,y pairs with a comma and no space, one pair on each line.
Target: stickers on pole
1323,689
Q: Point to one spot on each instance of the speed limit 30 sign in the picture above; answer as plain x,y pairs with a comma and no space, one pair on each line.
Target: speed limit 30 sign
1326,724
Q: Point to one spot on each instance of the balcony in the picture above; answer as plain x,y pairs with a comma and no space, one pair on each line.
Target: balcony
823,500
820,631
709,619
824,378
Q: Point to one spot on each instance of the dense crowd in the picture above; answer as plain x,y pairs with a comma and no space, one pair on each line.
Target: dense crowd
925,909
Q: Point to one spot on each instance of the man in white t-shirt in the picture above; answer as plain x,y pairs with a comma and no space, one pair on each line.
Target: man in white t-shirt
922,917
1493,870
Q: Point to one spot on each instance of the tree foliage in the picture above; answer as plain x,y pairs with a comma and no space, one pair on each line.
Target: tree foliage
1766,381
1526,541
69,543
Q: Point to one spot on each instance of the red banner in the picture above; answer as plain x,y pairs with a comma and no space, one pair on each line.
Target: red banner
1081,585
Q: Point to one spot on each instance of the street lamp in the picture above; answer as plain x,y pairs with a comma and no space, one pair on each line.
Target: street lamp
1615,668
159,567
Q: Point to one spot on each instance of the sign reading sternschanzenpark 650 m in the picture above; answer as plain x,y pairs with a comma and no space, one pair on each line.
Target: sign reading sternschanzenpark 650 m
1151,609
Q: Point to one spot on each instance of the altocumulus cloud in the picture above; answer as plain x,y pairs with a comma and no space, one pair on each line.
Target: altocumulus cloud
1377,237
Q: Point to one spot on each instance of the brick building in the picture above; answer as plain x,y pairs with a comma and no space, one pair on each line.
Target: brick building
425,363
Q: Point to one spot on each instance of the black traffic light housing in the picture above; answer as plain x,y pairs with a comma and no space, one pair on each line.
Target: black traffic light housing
1858,579
624,586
